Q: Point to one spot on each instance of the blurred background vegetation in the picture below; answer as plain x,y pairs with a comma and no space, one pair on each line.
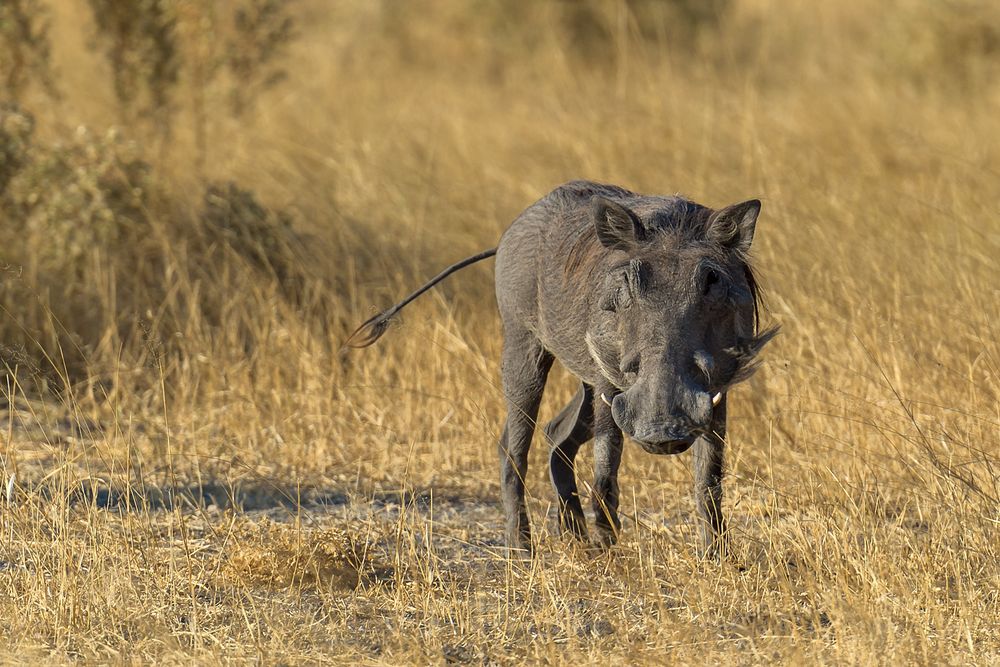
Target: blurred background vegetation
153,148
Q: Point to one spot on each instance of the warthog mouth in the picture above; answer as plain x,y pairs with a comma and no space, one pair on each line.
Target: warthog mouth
668,448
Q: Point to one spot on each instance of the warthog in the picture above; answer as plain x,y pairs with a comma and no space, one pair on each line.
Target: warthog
652,303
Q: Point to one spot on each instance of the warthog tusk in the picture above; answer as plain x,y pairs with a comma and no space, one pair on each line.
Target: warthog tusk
605,399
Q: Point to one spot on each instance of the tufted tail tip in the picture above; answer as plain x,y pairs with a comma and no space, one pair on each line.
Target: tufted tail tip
369,331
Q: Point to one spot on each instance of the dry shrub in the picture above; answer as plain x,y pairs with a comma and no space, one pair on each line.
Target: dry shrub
25,52
82,216
70,213
262,33
16,128
263,238
139,43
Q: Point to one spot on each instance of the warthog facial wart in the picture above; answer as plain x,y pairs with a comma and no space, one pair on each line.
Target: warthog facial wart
651,301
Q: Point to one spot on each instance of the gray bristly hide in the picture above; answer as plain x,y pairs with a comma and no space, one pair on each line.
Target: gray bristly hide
652,303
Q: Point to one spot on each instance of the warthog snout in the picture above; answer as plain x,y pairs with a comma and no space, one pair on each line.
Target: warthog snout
660,431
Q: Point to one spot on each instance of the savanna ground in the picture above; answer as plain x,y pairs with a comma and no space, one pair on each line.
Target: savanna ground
199,200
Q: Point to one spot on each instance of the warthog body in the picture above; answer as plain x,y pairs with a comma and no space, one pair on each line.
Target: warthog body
651,302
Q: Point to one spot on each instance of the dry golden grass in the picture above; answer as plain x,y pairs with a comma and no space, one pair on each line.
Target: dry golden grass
200,477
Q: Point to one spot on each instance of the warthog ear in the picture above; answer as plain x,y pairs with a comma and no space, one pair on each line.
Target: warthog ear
617,227
733,226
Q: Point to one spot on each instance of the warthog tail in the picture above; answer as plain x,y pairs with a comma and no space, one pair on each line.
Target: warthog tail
372,329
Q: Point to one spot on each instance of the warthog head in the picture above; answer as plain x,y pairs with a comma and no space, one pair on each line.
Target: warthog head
676,324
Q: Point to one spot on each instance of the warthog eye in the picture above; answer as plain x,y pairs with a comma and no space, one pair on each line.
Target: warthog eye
618,298
712,278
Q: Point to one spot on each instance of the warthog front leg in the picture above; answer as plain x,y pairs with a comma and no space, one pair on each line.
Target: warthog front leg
608,441
571,428
709,451
524,367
